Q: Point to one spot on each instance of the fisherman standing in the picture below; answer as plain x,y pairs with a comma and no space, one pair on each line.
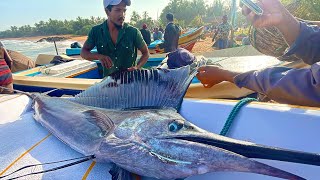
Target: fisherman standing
116,41
171,35
146,34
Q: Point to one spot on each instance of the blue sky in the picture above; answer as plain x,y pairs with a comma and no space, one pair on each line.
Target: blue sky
24,12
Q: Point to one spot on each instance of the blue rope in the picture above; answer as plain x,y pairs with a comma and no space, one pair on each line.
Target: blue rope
235,111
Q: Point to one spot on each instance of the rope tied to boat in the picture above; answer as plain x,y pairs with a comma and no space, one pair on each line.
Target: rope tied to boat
235,111
74,161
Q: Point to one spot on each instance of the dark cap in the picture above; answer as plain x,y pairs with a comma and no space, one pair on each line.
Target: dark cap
106,3
144,26
180,57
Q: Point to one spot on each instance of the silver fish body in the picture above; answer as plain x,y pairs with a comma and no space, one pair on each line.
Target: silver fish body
156,143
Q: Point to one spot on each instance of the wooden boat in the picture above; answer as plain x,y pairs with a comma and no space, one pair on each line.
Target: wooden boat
72,80
186,40
44,59
25,142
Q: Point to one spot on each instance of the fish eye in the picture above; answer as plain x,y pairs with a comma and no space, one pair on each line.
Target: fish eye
175,126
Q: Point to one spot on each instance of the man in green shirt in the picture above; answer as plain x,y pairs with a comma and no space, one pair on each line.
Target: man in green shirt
116,41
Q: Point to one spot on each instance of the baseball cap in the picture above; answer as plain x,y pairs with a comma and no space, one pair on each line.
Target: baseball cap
115,2
144,26
180,57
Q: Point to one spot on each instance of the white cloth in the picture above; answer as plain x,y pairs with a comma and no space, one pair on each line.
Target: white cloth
115,2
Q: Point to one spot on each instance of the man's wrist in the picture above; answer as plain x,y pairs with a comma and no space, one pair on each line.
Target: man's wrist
286,21
139,65
289,27
230,75
97,56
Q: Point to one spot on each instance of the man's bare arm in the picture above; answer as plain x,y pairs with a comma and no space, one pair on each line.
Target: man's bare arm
86,54
145,56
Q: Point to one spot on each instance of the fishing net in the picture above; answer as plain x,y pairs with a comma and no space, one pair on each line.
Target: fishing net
270,41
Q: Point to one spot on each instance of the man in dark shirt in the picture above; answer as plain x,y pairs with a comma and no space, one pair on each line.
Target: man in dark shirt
171,35
146,34
116,41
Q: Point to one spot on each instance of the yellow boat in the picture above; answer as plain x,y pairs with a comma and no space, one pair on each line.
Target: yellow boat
187,41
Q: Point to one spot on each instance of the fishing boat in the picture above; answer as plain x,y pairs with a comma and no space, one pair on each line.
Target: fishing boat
25,142
81,73
187,40
71,80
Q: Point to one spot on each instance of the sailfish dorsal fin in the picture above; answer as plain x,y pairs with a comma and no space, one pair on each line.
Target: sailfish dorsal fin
139,88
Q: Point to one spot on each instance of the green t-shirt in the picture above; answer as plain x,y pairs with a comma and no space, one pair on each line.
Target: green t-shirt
124,52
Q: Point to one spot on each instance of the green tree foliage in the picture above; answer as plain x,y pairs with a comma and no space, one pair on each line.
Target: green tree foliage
80,26
187,13
135,18
137,21
195,12
197,21
304,9
216,8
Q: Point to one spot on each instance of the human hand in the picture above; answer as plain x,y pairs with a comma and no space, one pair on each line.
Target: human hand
106,61
133,68
274,14
212,75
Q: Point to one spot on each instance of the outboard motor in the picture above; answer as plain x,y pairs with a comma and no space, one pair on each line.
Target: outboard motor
76,45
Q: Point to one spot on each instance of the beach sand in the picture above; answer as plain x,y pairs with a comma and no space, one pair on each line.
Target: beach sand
203,46
200,47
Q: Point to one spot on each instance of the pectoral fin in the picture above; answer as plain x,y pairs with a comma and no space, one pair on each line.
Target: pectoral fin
100,119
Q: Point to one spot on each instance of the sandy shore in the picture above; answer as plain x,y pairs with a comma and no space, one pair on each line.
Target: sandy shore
200,46
80,39
203,46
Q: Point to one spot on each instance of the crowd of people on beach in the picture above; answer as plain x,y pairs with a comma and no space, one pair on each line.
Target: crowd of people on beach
118,44
157,34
